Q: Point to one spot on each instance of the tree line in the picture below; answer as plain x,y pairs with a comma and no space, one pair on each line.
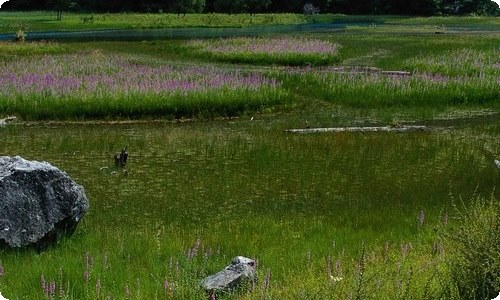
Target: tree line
397,7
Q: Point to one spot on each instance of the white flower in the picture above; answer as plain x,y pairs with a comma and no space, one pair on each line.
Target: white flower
336,279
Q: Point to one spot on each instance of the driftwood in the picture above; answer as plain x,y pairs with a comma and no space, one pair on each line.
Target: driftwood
360,129
7,120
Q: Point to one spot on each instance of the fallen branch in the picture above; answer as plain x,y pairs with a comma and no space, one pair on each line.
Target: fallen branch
360,129
7,120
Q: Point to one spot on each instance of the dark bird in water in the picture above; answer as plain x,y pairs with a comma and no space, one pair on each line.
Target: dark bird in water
121,158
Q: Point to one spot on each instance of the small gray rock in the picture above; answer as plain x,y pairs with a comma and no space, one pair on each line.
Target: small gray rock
240,271
38,203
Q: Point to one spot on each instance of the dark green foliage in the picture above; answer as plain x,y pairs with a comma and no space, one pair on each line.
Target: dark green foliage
400,7
254,6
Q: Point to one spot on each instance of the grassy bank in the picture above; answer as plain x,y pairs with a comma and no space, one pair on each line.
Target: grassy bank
10,22
433,73
94,85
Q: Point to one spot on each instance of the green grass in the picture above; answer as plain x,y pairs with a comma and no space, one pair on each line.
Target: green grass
291,51
10,22
381,91
11,50
174,106
478,22
252,191
448,72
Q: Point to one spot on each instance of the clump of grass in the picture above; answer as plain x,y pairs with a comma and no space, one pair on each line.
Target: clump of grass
8,50
475,259
259,50
20,36
463,62
95,85
377,90
44,21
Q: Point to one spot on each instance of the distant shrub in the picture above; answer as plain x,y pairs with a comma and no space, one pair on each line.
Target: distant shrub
87,19
475,246
20,36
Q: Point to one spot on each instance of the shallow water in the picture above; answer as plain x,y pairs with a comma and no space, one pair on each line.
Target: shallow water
221,189
177,33
190,175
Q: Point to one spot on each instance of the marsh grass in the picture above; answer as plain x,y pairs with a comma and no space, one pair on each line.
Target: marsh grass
310,209
8,50
176,106
391,50
46,21
95,85
463,62
474,267
380,91
293,51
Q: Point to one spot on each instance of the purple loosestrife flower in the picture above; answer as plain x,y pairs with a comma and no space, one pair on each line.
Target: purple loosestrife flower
45,287
168,289
444,219
85,75
52,289
61,285
127,292
193,252
267,280
329,267
86,271
269,46
2,271
421,218
98,288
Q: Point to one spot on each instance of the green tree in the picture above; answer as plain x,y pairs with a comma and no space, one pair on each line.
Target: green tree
188,6
60,6
229,6
255,6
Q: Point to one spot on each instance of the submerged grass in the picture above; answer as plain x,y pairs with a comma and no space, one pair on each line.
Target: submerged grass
325,215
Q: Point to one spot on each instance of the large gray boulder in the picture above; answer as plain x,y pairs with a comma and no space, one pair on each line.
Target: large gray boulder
38,203
240,271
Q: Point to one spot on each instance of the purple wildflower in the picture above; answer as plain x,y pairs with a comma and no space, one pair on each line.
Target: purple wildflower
266,46
329,267
267,280
127,292
421,218
45,287
98,288
85,75
86,271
